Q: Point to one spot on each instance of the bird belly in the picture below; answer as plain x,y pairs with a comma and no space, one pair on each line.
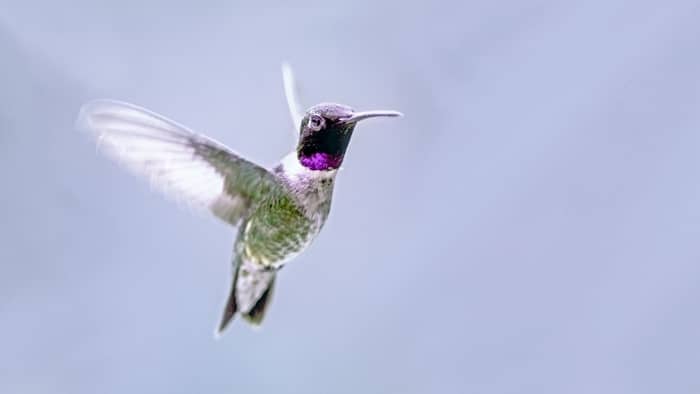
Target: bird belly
277,232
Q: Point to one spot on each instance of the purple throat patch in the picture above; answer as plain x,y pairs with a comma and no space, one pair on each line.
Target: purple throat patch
320,161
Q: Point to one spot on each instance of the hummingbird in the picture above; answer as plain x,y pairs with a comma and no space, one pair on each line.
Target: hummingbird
278,211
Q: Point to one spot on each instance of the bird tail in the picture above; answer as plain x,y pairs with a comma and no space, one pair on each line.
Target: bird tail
251,292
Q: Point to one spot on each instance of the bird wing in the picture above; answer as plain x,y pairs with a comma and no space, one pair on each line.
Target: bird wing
291,92
187,166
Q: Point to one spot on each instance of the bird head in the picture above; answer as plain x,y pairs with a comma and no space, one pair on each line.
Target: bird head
325,133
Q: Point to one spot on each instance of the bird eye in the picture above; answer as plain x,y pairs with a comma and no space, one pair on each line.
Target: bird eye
316,122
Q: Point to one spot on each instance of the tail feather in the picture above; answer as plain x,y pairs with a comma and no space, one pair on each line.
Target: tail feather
231,306
251,292
256,314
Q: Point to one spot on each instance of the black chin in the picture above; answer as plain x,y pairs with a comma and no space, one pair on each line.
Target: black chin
333,141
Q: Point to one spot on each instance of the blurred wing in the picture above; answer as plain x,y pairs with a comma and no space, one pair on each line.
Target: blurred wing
291,92
185,165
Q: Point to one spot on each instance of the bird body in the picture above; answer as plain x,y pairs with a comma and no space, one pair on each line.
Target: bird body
283,225
279,228
278,211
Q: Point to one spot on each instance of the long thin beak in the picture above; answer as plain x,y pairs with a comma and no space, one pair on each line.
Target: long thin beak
358,116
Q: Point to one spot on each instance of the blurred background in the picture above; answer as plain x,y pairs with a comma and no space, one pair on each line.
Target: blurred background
530,225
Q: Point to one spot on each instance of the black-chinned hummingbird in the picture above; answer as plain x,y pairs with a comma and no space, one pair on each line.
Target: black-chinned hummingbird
278,211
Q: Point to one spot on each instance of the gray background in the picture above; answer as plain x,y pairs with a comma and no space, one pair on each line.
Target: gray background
531,225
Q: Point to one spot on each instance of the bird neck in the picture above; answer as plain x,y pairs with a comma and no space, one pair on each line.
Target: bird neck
293,169
320,161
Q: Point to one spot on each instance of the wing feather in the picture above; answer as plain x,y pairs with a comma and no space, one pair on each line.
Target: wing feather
187,166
